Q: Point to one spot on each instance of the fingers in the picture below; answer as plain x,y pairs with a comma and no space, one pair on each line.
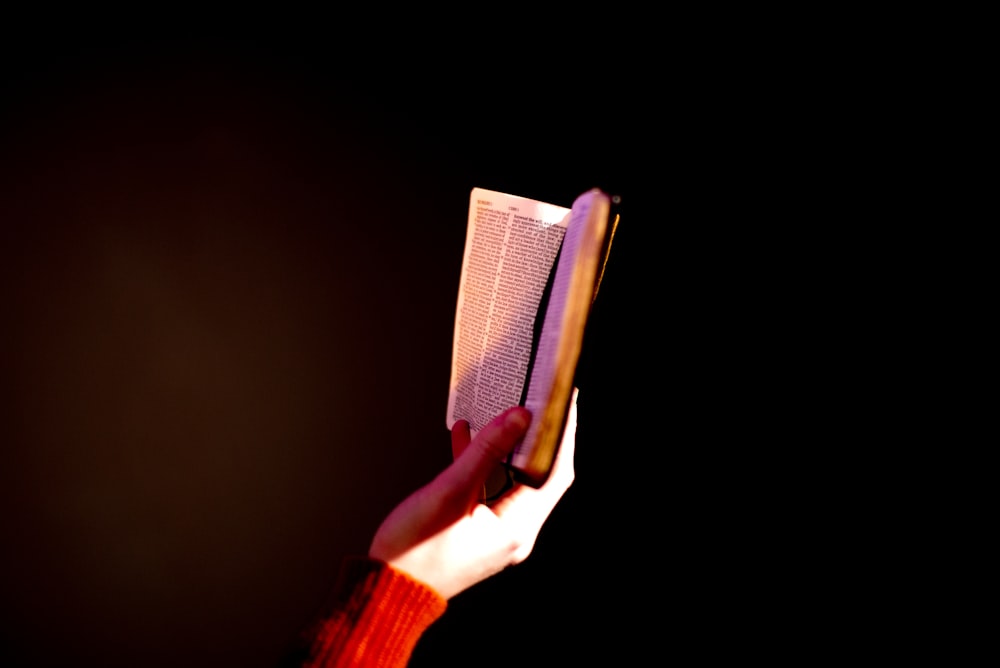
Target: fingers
527,509
562,469
478,458
460,437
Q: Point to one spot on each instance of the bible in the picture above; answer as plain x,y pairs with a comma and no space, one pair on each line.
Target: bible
530,274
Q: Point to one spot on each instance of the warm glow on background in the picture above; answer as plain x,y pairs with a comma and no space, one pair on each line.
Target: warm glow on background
229,281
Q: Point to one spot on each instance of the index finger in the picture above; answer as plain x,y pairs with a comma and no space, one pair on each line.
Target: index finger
489,448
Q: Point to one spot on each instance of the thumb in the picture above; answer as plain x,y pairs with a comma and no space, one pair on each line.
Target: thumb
488,449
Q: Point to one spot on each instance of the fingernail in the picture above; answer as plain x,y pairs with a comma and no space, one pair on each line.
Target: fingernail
518,418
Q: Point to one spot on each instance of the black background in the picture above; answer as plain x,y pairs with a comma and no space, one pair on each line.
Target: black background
230,262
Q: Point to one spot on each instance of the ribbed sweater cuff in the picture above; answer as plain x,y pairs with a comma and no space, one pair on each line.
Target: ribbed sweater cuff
379,614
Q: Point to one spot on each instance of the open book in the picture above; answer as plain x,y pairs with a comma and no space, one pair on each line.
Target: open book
530,274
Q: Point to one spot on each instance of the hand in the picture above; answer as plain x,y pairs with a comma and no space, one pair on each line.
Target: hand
444,536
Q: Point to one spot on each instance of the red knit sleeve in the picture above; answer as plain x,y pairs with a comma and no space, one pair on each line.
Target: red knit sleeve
378,615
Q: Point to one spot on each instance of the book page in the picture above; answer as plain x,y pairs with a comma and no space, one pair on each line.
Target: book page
510,247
